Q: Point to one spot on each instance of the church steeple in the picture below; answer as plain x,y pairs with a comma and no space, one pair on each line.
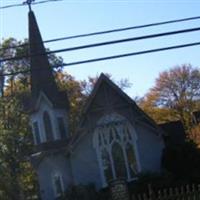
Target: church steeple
41,73
42,79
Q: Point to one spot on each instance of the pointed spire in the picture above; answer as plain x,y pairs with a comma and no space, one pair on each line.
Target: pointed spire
42,79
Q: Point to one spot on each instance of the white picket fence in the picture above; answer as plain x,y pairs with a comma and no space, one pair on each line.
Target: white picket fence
182,193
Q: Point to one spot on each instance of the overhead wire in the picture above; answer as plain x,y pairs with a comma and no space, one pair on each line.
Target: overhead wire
132,54
106,43
45,1
23,4
11,6
124,29
111,30
113,57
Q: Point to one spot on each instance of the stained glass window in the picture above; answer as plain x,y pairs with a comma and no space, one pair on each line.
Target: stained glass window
131,160
118,159
106,165
114,140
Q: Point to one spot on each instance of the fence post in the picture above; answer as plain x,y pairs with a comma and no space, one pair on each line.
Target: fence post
151,193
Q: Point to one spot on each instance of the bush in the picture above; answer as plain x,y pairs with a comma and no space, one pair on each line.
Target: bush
183,162
155,180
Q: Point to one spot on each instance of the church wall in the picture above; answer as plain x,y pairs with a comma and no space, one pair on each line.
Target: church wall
84,163
149,144
47,169
150,147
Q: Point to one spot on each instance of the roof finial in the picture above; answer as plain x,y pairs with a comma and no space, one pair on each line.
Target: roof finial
29,2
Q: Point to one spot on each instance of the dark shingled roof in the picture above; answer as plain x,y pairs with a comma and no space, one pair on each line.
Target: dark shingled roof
174,132
42,78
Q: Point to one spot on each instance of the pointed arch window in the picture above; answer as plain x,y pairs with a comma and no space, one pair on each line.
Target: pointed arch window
131,160
119,162
36,132
48,126
58,185
115,144
106,165
61,127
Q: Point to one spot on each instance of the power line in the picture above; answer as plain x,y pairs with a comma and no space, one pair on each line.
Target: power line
45,1
113,57
112,30
22,4
106,43
132,54
124,29
11,6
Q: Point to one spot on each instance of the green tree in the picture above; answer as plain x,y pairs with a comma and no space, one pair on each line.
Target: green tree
15,147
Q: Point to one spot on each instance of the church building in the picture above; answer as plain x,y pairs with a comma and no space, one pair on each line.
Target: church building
114,138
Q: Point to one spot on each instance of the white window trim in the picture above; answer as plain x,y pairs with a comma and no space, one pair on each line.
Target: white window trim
133,142
57,174
34,133
57,126
51,118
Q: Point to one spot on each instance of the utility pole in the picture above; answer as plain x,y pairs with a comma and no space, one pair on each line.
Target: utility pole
29,2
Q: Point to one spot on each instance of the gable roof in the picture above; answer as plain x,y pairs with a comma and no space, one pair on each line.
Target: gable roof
104,79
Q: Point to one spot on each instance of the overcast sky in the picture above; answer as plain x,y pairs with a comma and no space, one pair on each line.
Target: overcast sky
65,18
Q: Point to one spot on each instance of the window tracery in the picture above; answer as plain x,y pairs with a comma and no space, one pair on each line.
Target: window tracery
115,144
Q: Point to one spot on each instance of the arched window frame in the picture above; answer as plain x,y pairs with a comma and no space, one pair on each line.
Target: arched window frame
46,115
61,127
101,141
36,132
57,175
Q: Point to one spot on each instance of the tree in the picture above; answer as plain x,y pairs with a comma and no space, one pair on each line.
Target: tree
194,134
15,147
18,179
159,114
178,90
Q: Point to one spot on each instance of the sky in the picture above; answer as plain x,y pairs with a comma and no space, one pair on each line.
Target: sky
67,17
